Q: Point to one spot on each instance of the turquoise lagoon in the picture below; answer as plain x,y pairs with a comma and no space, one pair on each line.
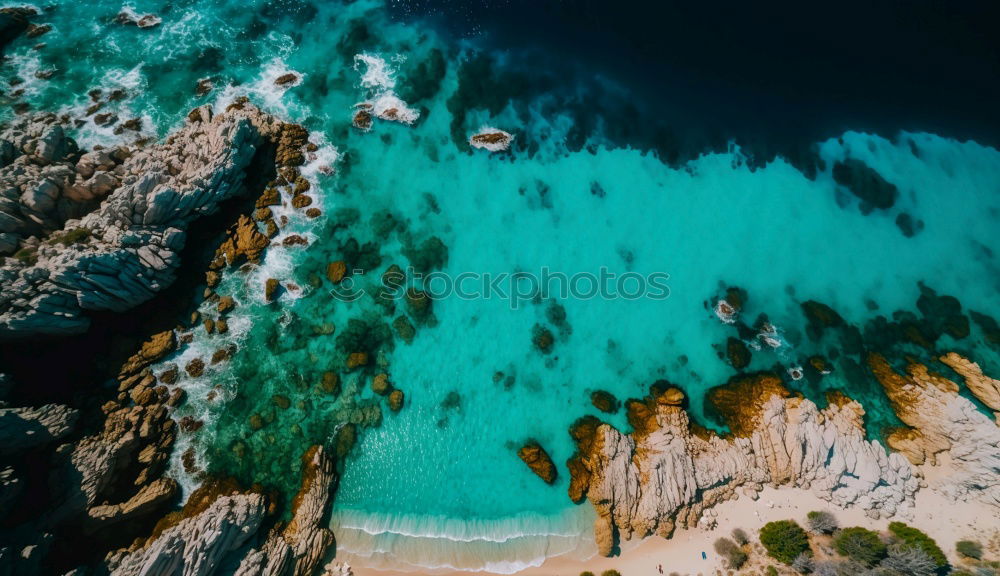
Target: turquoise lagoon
439,484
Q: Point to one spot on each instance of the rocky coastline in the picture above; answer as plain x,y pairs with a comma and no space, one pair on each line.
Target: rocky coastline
669,472
102,463
102,231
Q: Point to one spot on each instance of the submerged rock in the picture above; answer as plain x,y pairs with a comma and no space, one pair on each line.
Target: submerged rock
396,399
604,401
865,183
737,353
538,460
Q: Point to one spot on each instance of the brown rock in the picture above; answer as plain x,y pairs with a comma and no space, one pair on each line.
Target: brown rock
169,376
396,400
604,401
271,287
281,401
244,243
331,383
543,339
737,353
741,400
381,385
294,240
313,213
195,367
362,120
357,359
286,79
538,460
221,355
301,200
336,271
269,197
158,346
226,303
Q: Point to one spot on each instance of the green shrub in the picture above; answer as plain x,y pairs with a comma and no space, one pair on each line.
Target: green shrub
27,255
611,573
73,236
784,540
772,571
586,574
861,545
969,549
910,536
740,536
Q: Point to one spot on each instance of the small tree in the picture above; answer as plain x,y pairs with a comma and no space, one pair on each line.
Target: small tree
909,560
740,536
969,549
772,571
914,538
611,573
859,544
821,522
784,540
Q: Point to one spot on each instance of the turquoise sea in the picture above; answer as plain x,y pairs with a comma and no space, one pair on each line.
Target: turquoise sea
439,484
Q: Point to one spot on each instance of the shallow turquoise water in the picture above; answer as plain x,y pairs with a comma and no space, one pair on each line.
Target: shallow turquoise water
439,484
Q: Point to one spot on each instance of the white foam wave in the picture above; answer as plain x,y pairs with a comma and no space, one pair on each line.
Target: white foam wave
264,91
379,80
378,76
437,544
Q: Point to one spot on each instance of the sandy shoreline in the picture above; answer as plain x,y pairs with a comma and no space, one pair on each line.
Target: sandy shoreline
944,520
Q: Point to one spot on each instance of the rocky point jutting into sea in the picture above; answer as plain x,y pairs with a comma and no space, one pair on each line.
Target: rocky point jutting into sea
224,347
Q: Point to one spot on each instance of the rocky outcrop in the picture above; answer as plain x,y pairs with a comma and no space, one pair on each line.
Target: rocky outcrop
125,250
13,23
215,531
942,422
299,548
24,428
986,389
199,545
667,472
46,182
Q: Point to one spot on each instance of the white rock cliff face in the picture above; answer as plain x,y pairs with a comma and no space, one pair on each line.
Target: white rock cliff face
126,250
666,473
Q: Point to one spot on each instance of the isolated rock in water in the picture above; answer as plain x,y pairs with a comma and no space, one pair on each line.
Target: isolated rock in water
198,545
287,79
538,460
24,428
123,252
492,139
362,119
130,18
